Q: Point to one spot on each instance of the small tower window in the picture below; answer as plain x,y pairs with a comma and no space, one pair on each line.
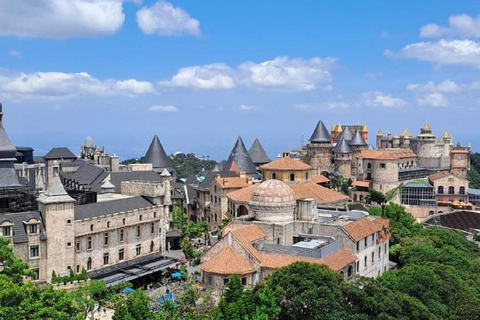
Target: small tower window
274,175
292,176
89,263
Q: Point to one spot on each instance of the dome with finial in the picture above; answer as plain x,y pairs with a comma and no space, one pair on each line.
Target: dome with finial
273,200
88,143
364,128
446,135
379,133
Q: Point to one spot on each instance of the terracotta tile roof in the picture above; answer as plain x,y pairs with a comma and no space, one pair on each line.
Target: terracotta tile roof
228,261
286,163
365,184
339,259
232,182
442,174
247,235
317,192
320,179
242,195
388,154
365,227
234,168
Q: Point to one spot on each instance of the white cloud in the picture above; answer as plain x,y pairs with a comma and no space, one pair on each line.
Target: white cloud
462,25
210,76
163,109
444,86
435,99
329,105
283,73
447,52
60,19
245,107
15,53
384,34
380,99
166,20
60,85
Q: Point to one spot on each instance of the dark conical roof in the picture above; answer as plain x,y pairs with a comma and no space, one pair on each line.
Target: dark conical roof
156,155
7,150
342,147
242,159
257,153
320,134
357,140
8,177
346,134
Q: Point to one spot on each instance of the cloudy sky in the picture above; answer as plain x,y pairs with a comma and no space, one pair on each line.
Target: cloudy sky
201,73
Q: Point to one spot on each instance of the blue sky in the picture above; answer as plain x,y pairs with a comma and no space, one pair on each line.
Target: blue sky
201,73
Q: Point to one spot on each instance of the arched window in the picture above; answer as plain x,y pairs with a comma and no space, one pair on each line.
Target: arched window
350,271
462,190
451,190
440,189
89,263
151,246
292,176
306,175
369,165
274,175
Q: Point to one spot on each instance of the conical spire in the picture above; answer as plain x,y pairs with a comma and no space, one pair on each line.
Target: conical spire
7,150
156,156
55,192
357,140
320,134
8,177
346,134
257,153
342,147
242,159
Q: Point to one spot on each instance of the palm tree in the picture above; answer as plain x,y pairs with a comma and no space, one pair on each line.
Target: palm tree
382,199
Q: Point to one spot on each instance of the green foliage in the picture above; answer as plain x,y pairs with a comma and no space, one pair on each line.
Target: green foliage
473,174
138,305
236,304
191,165
131,161
195,229
382,199
13,267
179,218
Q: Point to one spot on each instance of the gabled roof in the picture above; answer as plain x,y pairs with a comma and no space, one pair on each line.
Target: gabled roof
346,134
320,179
320,134
286,163
357,140
405,133
242,195
228,261
257,153
89,176
93,210
210,177
242,159
365,227
388,154
156,155
342,147
59,153
312,190
232,182
20,232
443,174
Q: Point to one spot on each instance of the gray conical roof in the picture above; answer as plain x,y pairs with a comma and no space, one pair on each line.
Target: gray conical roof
357,140
156,155
320,134
242,159
342,147
8,177
346,134
7,150
257,153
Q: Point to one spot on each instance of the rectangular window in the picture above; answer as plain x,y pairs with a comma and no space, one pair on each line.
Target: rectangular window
78,246
140,217
139,231
121,254
379,252
244,281
78,268
91,227
34,251
209,280
154,214
366,240
123,221
382,166
225,281
358,266
105,258
69,222
358,246
36,274
121,234
6,231
373,238
108,224
32,228
89,243
138,249
365,262
105,239
373,257
152,228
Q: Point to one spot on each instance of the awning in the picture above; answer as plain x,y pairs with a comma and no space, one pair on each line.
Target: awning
174,234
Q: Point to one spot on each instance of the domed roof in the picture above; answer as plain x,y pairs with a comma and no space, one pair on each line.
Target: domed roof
273,192
88,143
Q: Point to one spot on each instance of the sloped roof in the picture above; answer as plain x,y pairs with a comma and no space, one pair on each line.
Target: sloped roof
342,147
232,182
210,177
320,179
116,178
242,195
7,150
320,134
357,140
93,210
242,159
365,184
59,153
257,153
286,163
388,154
228,261
365,227
312,190
405,133
156,155
89,176
20,232
346,134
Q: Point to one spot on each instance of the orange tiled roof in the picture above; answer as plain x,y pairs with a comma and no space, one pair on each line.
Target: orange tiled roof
320,179
286,163
365,184
232,182
242,195
317,192
388,154
234,167
339,260
228,261
365,227
443,174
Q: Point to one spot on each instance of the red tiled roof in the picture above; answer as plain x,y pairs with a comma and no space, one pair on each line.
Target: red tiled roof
242,195
365,227
388,154
320,179
286,163
228,261
320,194
232,182
365,184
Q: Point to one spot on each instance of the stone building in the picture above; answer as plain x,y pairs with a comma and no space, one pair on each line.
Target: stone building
287,169
275,236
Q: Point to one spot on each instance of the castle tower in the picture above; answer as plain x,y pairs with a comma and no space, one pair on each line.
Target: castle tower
357,144
319,150
157,156
396,141
332,132
57,210
460,160
7,158
364,132
426,147
379,138
405,137
343,159
338,131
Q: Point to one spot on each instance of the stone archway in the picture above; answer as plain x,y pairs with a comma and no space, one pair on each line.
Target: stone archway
242,211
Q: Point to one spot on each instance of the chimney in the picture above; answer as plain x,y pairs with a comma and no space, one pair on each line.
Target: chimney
242,174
